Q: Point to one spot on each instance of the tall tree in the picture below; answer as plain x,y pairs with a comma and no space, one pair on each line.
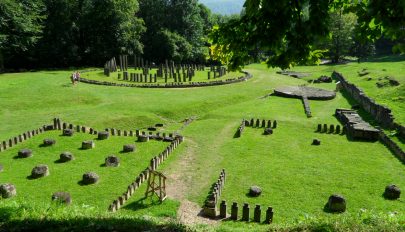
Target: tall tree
20,27
171,22
59,45
109,28
342,33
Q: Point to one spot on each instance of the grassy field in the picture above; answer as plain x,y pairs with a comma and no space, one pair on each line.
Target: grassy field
379,69
200,76
296,178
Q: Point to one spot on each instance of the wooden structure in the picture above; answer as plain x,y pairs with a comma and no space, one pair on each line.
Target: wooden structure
156,185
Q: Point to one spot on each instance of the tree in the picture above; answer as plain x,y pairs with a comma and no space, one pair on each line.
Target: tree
20,27
287,29
342,33
173,20
59,45
109,28
171,46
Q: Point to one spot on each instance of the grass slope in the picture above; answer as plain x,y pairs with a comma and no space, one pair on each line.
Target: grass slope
296,177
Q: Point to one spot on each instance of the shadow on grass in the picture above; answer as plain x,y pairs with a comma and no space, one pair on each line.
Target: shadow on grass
401,139
143,203
59,161
44,145
327,210
82,183
87,224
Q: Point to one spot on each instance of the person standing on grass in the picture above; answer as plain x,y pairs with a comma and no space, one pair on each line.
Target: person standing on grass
73,78
77,77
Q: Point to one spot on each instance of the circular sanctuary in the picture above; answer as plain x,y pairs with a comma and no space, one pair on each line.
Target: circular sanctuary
143,74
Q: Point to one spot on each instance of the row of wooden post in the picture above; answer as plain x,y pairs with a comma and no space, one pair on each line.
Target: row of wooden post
144,175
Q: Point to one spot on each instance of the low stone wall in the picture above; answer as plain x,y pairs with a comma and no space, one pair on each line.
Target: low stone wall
9,143
210,206
240,129
246,76
387,141
400,130
257,213
144,175
381,114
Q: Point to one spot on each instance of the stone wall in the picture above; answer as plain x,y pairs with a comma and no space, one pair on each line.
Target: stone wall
9,143
387,141
381,114
240,129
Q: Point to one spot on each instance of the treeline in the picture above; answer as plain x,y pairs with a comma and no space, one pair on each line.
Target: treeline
65,33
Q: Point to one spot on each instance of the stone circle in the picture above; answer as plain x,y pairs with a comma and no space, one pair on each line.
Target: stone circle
392,192
66,156
143,138
268,131
24,153
62,197
112,161
316,142
103,135
90,178
88,144
337,203
255,191
49,142
68,132
40,170
129,148
309,92
7,190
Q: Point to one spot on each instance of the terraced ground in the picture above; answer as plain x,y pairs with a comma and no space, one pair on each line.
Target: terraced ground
296,178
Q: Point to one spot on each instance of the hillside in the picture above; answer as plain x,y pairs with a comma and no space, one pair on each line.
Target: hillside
224,7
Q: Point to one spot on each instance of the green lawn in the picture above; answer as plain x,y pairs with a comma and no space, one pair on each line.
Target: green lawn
297,178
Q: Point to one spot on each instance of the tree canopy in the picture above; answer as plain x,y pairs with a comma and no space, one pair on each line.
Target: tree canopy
287,29
65,33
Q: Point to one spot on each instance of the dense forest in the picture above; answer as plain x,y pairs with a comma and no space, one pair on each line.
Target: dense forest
67,33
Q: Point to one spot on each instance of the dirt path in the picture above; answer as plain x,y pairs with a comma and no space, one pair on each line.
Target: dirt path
181,180
178,184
